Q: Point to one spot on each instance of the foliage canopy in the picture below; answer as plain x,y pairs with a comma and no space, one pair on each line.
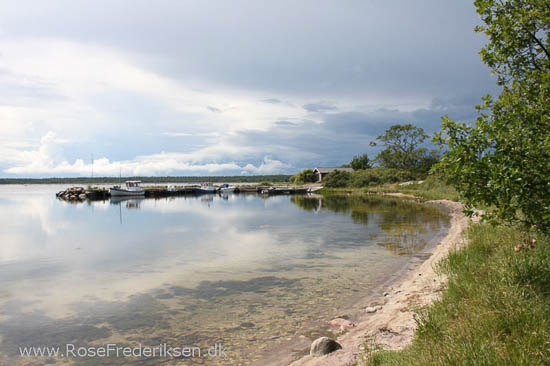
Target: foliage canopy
403,149
360,162
504,159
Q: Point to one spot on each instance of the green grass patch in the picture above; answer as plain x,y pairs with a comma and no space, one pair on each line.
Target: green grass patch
342,191
495,311
430,189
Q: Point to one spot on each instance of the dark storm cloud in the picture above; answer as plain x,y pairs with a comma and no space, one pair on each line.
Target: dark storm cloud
342,135
398,48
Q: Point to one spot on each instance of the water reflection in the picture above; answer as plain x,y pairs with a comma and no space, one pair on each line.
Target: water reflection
243,269
129,202
403,222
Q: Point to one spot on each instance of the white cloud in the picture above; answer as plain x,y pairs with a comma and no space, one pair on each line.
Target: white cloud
66,92
186,134
81,72
269,166
85,74
61,94
47,160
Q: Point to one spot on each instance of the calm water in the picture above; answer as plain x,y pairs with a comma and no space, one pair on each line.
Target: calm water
246,271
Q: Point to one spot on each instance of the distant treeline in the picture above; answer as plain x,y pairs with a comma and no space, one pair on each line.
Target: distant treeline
168,179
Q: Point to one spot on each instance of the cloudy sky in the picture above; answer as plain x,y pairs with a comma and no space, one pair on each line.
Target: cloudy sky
225,87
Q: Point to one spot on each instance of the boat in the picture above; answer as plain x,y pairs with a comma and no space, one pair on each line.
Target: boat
205,188
132,188
226,188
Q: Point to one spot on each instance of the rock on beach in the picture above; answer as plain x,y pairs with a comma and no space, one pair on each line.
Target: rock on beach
323,346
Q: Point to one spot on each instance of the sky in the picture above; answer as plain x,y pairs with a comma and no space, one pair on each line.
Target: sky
226,87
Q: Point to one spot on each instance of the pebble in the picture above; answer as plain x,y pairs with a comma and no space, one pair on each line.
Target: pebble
344,324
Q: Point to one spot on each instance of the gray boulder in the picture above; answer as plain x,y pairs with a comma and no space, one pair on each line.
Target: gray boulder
323,346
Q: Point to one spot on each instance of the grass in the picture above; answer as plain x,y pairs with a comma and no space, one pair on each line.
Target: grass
430,189
495,310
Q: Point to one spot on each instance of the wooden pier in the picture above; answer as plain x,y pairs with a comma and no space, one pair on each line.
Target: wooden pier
93,194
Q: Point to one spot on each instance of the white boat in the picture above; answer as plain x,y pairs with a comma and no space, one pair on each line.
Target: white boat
132,188
205,188
226,188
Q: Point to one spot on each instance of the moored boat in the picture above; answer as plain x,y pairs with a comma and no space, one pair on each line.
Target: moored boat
205,188
131,188
226,188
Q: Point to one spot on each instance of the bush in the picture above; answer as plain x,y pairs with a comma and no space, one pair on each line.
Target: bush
337,179
364,178
374,176
305,176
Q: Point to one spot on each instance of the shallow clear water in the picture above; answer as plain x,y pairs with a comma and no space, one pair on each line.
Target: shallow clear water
247,271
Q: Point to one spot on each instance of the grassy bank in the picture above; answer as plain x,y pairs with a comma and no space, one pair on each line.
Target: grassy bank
430,189
495,311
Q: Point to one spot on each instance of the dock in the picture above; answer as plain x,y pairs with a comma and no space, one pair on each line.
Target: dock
94,194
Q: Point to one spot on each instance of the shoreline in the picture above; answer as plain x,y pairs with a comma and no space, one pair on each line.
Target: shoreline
393,326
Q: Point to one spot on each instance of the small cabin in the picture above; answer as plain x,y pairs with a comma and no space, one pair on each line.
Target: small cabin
322,172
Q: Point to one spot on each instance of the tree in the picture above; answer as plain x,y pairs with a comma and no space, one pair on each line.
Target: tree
504,159
403,149
360,162
518,32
